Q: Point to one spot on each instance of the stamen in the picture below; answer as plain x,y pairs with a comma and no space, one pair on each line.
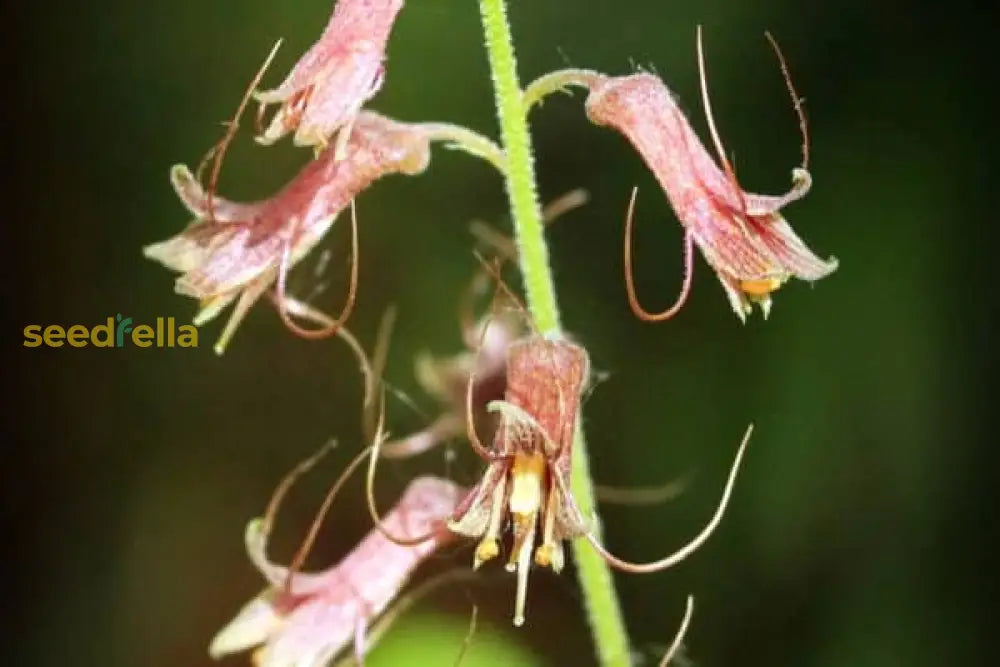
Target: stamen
489,547
550,553
527,537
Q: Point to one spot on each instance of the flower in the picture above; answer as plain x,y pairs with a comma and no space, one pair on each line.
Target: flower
241,249
742,235
308,619
530,462
330,83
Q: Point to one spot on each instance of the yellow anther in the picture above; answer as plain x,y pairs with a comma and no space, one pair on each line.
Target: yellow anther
760,288
543,555
486,550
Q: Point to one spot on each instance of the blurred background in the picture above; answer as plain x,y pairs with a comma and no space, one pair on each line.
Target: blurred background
860,527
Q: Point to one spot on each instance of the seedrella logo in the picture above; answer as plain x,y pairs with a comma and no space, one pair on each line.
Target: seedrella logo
116,332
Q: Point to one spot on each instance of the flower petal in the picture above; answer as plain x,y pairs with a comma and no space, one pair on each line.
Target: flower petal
253,625
789,251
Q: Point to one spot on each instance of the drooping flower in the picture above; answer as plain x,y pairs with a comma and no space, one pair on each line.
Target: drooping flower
326,89
484,360
306,620
244,248
530,462
742,235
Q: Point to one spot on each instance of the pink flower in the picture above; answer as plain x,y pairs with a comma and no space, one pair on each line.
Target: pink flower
311,618
330,83
742,235
530,462
244,248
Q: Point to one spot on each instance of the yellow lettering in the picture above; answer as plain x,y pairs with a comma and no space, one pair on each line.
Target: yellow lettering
32,335
54,335
77,335
142,335
188,336
109,334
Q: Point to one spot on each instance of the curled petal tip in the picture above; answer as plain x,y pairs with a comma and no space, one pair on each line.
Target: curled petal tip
253,625
802,178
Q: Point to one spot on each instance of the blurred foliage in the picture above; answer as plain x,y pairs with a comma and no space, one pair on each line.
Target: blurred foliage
856,536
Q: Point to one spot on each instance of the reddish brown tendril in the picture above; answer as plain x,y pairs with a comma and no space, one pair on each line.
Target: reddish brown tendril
303,310
283,268
680,554
310,538
373,451
289,480
470,422
633,299
796,100
505,250
493,270
217,153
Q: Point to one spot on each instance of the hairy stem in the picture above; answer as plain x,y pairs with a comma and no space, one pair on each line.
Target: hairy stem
600,598
521,190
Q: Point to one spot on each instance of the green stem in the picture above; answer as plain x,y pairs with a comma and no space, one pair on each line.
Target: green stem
600,598
521,191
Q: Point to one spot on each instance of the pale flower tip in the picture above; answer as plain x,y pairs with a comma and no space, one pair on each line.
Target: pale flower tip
181,177
177,253
275,130
253,625
802,179
255,533
765,306
266,97
208,308
155,251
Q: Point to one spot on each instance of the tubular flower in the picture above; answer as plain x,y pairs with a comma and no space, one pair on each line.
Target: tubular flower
530,462
330,83
243,248
742,235
305,620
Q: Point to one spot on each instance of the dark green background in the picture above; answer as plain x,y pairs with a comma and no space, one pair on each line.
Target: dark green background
859,529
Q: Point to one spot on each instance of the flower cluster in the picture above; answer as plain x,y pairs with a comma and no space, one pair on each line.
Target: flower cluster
524,386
